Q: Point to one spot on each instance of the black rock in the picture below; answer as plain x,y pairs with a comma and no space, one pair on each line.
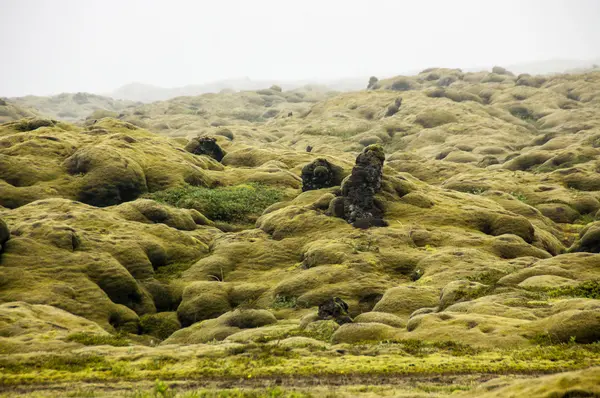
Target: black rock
360,187
334,308
320,174
4,233
205,146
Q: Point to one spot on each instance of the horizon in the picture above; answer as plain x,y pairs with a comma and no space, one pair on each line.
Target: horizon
186,43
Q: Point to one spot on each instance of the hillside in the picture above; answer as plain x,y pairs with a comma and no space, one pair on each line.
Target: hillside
201,245
150,93
71,106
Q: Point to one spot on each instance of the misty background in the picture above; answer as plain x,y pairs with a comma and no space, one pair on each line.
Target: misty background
49,47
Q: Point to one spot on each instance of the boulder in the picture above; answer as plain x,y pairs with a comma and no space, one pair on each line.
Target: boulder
205,146
320,174
334,308
360,187
4,233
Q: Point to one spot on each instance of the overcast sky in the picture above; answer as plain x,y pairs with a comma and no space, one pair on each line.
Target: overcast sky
53,46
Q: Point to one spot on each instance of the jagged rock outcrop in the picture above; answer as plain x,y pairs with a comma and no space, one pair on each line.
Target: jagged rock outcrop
206,146
334,308
359,189
320,174
393,108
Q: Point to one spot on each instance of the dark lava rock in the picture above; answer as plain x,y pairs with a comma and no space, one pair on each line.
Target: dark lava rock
320,174
393,109
205,146
360,187
334,308
4,233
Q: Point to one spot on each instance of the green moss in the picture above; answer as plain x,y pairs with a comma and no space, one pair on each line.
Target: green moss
171,271
96,339
54,362
587,289
160,325
239,203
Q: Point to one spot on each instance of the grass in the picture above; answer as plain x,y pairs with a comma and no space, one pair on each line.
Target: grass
262,361
240,203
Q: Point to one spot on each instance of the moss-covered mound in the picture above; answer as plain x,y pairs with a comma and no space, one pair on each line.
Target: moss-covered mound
487,261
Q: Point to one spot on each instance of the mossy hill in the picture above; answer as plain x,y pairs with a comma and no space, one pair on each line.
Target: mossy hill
130,265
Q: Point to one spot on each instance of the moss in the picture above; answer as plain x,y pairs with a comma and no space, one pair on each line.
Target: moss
33,124
587,289
202,300
363,332
96,339
160,325
321,330
380,317
434,118
404,300
245,319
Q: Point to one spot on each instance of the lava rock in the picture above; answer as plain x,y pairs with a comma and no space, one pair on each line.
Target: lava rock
320,174
334,308
4,233
360,187
206,146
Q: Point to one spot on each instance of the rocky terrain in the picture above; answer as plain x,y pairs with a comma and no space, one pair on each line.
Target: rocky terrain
430,235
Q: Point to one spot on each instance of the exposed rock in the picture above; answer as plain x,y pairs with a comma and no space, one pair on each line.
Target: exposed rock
320,174
205,146
393,108
334,308
4,233
360,187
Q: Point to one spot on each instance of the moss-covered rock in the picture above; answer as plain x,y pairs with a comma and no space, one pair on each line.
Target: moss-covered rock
320,173
363,332
202,300
404,300
589,239
580,326
461,290
160,325
380,317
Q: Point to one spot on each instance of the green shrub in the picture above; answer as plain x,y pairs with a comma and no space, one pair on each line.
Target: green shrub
240,203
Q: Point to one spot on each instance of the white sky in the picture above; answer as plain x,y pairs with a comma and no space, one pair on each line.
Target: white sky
52,46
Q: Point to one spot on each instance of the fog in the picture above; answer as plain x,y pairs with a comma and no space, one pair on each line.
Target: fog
58,46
